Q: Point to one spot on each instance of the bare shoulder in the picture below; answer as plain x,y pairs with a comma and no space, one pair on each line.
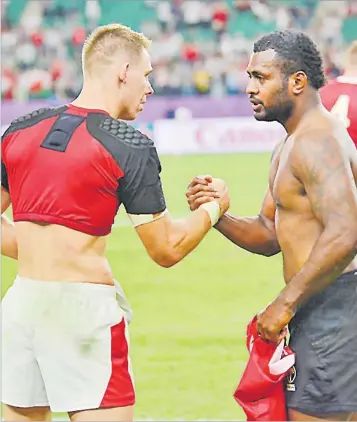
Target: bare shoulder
321,162
320,153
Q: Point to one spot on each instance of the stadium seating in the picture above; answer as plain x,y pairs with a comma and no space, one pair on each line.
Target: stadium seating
51,34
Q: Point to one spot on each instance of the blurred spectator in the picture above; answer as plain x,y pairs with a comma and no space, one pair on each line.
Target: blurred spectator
8,83
262,11
165,15
220,17
193,12
190,52
93,13
242,5
201,78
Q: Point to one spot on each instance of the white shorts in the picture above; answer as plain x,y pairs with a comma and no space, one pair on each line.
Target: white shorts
65,345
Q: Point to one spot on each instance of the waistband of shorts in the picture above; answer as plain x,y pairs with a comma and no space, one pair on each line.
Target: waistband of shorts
347,276
342,290
80,288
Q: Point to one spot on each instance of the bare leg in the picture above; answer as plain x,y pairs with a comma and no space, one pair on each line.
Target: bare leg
294,415
114,414
19,414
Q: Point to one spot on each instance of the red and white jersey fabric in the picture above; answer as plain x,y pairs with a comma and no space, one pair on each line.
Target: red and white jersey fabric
340,97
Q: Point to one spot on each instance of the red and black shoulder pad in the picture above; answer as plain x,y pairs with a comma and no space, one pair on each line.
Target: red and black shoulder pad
33,118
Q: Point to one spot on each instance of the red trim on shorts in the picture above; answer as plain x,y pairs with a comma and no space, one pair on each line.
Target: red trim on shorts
120,390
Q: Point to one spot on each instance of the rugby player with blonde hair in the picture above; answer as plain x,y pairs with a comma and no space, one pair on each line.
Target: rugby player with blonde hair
66,171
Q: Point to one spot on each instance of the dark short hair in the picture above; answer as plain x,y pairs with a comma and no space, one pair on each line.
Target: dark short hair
297,52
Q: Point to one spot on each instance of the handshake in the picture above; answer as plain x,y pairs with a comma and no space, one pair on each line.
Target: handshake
205,189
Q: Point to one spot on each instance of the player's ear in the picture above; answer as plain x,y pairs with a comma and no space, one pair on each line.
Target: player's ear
123,73
298,82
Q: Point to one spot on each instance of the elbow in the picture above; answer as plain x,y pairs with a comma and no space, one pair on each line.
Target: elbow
10,252
270,245
270,249
351,240
344,240
166,262
346,234
165,258
14,256
270,252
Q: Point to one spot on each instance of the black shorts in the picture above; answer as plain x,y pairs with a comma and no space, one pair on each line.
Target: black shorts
323,334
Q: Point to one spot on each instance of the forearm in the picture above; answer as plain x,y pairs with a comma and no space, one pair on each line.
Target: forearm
332,253
249,233
8,238
184,235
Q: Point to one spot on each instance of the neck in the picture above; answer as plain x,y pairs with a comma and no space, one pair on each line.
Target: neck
311,102
93,96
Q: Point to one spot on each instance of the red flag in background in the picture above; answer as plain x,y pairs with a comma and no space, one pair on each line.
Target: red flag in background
260,391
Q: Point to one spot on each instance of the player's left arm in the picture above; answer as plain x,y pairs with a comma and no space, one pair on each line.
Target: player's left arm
322,165
8,230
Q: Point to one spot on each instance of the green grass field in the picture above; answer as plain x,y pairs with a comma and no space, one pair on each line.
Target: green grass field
188,332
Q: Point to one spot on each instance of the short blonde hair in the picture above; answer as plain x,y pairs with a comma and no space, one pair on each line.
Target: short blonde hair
106,41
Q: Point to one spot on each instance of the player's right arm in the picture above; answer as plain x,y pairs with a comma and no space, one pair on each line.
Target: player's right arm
254,234
168,241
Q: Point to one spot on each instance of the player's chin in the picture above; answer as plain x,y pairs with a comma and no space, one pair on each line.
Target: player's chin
131,115
134,114
260,116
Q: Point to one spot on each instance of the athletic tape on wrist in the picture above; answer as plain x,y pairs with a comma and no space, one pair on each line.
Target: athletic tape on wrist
213,210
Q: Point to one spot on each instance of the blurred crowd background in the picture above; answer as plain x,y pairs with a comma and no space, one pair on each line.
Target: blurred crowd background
200,47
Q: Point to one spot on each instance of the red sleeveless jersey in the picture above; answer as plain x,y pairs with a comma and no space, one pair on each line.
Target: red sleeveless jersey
73,167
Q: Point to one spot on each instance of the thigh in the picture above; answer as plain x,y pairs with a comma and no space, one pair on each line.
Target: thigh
12,414
87,366
113,414
325,342
22,382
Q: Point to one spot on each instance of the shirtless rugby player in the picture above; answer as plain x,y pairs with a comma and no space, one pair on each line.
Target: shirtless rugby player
309,213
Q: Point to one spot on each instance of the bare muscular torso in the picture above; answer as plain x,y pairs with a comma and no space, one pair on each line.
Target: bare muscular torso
297,228
56,253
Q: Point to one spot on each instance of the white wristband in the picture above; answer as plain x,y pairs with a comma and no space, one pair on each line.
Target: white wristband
213,210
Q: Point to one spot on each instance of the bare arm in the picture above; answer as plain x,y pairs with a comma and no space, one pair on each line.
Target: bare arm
8,231
254,234
168,241
323,167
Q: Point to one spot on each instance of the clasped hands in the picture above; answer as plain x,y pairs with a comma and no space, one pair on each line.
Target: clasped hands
203,189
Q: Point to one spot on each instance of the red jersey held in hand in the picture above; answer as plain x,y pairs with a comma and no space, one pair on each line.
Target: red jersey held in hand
260,391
